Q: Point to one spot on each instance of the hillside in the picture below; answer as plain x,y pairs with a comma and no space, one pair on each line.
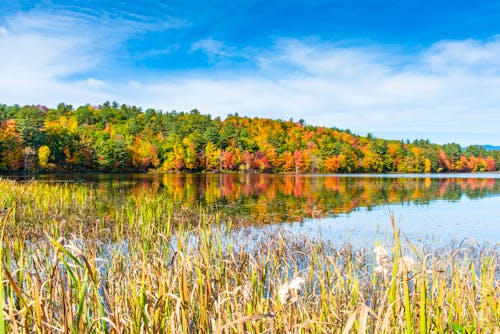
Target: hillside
113,137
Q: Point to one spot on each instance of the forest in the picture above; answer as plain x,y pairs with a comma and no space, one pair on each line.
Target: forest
113,137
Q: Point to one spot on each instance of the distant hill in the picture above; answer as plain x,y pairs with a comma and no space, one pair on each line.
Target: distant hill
114,137
491,148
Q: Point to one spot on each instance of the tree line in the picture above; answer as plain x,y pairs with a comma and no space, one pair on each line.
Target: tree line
114,137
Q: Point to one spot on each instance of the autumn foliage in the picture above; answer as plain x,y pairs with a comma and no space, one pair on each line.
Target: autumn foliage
120,137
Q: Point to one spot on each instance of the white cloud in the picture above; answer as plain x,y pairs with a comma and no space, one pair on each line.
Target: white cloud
464,56
91,83
364,89
50,56
214,49
450,88
31,68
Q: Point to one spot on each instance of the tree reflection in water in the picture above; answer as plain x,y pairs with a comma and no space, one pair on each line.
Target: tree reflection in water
270,198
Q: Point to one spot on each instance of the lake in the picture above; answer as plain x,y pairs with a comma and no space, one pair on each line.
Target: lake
432,209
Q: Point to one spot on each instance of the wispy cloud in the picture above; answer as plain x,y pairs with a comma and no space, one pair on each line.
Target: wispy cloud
469,56
448,91
53,55
212,47
442,92
38,52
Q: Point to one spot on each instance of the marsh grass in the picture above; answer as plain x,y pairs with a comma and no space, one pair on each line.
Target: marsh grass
148,266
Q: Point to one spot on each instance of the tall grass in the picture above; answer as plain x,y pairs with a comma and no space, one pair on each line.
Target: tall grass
158,268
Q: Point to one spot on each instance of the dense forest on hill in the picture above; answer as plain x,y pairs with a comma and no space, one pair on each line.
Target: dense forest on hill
113,137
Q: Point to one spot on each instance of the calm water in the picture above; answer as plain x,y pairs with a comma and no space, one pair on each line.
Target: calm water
434,209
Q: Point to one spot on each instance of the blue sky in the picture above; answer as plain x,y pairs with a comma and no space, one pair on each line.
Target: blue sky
397,69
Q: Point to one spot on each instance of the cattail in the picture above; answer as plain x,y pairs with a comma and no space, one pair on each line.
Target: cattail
284,292
296,283
381,256
408,263
289,291
246,293
382,271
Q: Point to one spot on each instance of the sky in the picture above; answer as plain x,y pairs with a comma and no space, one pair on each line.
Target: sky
395,69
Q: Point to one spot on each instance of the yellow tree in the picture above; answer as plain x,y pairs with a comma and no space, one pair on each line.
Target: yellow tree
12,146
143,154
417,156
191,160
427,165
331,164
43,156
288,161
174,159
272,156
212,157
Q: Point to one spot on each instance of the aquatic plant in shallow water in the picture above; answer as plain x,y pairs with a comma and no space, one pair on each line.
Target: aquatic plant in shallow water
180,272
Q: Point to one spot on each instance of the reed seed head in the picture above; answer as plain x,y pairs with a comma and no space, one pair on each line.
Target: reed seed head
408,263
289,291
381,271
381,256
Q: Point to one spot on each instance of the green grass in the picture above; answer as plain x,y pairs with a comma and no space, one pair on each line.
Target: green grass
148,266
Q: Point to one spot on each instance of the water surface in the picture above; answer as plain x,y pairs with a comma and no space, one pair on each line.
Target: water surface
430,208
